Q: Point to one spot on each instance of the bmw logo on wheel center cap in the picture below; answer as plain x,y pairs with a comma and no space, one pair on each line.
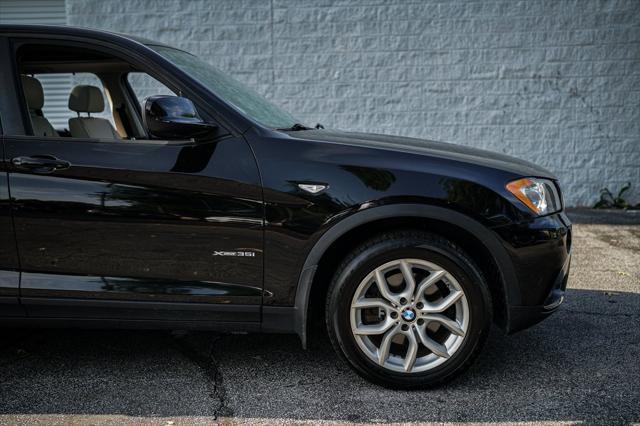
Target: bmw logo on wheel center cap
408,315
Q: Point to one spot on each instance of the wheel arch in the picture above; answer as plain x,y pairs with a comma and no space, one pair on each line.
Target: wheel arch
418,212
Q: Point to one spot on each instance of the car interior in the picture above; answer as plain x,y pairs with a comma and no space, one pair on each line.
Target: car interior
109,108
34,98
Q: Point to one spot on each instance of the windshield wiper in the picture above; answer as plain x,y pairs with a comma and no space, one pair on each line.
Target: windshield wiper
296,127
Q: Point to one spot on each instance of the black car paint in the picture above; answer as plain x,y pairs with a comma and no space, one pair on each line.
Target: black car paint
362,176
9,276
128,231
462,186
151,213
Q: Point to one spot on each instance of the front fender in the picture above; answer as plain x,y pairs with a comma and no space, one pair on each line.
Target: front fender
485,235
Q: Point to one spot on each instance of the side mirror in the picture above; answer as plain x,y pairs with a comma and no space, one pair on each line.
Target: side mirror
174,117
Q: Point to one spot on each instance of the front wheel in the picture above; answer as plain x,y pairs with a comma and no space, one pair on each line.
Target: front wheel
408,310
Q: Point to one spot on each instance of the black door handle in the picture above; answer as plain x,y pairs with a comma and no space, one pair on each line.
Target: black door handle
40,163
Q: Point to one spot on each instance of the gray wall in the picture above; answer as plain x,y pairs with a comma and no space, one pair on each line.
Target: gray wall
555,82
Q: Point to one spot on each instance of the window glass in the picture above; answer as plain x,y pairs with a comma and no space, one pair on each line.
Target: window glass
143,86
50,74
57,88
229,89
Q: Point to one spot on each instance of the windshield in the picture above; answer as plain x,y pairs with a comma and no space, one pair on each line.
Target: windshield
229,89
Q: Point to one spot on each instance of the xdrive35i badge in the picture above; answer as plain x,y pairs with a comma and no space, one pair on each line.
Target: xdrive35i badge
234,253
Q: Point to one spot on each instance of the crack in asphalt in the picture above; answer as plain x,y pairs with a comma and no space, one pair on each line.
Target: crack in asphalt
207,362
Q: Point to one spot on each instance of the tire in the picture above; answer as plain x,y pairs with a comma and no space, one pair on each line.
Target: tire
436,265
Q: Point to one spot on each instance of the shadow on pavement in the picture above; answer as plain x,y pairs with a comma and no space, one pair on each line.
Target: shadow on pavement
579,365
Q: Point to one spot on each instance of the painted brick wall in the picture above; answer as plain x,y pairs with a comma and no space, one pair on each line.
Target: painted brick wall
556,82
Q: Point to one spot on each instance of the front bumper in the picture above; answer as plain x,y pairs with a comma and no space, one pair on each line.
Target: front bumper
541,254
522,317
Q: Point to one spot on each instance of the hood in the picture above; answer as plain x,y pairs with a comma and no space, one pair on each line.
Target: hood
427,147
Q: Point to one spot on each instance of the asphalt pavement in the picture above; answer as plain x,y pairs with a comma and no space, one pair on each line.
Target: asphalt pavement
580,365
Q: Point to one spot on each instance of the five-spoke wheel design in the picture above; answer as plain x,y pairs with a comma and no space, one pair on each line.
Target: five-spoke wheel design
409,315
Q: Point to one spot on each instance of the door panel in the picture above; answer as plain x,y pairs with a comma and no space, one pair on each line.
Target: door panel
9,304
157,299
138,221
9,276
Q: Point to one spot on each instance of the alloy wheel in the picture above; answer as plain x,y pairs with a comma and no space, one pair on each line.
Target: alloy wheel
409,315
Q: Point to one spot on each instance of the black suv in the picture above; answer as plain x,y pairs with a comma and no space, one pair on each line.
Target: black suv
172,196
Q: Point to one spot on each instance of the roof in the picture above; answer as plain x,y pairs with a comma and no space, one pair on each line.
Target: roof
76,31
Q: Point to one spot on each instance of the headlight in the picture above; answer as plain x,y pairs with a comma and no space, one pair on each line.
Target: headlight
540,195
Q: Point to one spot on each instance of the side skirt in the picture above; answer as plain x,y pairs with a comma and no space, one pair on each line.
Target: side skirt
93,323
